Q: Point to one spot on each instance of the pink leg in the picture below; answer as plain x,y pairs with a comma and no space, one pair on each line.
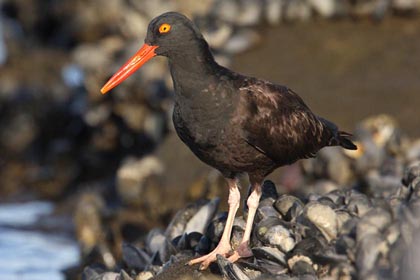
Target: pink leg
243,250
223,248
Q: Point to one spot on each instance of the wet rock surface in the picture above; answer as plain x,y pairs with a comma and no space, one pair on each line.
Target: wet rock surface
55,56
358,230
112,165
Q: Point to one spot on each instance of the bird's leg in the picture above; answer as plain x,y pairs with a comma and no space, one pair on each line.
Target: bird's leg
223,248
243,249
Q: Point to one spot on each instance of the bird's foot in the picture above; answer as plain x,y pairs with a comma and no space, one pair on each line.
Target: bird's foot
206,260
243,251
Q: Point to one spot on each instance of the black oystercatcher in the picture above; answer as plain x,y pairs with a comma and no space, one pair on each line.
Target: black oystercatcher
234,123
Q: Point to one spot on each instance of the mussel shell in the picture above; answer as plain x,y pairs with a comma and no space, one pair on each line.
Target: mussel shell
320,217
263,212
202,218
411,173
204,245
177,225
288,206
134,257
269,253
215,228
275,232
230,270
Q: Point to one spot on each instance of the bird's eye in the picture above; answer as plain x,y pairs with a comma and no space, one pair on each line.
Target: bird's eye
164,28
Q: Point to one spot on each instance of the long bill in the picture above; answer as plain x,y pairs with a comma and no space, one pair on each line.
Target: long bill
145,53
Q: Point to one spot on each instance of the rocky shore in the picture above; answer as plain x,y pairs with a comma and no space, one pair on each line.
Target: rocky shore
112,164
353,216
59,134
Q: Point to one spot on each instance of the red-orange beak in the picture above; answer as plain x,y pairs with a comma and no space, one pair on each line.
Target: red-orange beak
145,53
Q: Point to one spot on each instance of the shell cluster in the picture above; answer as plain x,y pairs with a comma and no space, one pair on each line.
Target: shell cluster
349,215
363,224
57,131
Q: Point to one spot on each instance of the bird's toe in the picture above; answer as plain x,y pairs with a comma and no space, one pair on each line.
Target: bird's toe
243,251
206,260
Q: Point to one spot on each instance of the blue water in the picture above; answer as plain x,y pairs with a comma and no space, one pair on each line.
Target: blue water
28,254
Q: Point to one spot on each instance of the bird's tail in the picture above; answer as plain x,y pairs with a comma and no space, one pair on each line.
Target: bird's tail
344,140
337,137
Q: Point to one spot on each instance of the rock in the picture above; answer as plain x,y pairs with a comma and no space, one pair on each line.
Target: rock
230,270
3,48
368,251
216,32
405,5
269,254
177,225
63,141
200,221
215,229
274,10
264,212
411,174
272,231
342,217
241,41
250,13
373,222
132,177
324,218
412,153
144,275
358,204
288,206
330,164
303,264
135,258
326,8
297,10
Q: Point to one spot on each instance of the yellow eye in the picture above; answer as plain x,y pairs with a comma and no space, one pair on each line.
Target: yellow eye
164,28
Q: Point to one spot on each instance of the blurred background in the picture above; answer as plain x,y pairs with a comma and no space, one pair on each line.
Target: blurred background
81,172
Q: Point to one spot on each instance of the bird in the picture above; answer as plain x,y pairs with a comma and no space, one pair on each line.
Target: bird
234,123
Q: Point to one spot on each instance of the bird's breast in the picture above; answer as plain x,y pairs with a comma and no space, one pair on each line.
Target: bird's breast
203,125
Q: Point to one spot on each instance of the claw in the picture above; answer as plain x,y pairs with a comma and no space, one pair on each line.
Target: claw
243,251
223,250
234,257
203,266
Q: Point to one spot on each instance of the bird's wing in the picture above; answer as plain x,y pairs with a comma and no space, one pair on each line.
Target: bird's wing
276,122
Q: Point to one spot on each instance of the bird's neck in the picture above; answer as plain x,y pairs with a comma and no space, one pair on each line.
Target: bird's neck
193,69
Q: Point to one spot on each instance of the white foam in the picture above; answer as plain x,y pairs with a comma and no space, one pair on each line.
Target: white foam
28,254
23,214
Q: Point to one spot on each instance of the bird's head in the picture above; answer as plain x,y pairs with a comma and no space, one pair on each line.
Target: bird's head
171,32
167,34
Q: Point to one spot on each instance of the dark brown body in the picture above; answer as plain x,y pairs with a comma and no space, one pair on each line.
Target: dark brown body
233,123
240,124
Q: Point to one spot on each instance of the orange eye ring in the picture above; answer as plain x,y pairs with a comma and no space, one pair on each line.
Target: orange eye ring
164,28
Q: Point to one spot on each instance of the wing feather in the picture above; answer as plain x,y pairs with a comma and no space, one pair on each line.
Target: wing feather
276,122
